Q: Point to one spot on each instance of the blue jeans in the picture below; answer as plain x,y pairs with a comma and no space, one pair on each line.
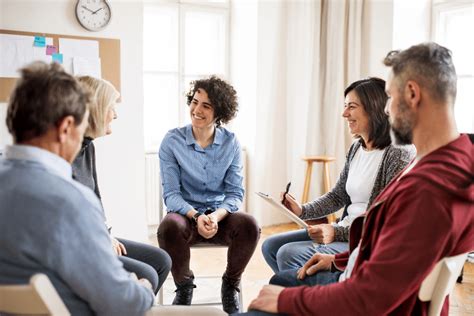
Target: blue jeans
288,278
291,250
146,261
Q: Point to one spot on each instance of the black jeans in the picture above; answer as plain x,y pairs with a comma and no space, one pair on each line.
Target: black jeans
146,261
239,231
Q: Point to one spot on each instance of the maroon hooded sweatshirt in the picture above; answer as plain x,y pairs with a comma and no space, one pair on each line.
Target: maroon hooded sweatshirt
417,220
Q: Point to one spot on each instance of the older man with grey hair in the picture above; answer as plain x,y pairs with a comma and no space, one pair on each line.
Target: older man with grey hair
46,217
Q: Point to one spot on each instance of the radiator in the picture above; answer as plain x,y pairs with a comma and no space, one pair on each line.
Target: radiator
153,191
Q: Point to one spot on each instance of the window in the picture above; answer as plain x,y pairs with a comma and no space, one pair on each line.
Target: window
183,41
453,23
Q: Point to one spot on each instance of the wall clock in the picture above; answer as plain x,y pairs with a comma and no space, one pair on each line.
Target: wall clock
93,15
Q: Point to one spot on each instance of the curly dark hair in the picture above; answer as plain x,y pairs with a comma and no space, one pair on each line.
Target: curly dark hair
371,93
221,94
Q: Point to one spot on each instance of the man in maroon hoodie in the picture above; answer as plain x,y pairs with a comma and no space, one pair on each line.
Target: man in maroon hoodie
423,215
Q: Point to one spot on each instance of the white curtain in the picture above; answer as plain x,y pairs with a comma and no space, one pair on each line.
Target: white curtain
308,52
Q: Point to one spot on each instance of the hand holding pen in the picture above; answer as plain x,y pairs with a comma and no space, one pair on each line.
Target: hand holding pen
289,201
286,192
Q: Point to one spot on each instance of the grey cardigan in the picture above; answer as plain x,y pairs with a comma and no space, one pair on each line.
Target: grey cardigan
394,159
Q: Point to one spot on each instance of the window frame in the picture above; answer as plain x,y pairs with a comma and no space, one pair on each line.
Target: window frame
184,6
444,6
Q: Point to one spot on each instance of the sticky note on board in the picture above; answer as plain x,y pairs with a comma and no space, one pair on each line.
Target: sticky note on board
57,57
51,49
40,41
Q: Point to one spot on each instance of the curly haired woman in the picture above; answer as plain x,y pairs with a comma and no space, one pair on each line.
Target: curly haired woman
201,172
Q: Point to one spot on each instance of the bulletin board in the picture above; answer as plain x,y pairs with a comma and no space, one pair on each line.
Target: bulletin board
109,54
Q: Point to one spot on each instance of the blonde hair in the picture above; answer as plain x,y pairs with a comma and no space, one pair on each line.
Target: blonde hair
104,96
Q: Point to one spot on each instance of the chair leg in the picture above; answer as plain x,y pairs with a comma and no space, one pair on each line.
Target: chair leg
241,299
160,295
307,182
327,187
459,280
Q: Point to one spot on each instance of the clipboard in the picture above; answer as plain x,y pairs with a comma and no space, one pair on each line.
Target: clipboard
283,209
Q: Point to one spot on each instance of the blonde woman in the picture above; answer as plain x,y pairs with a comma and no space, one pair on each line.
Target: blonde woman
145,261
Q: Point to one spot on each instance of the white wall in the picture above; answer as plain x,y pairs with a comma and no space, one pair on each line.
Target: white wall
411,22
120,156
378,32
4,135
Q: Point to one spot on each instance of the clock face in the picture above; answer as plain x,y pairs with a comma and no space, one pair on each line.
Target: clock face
93,15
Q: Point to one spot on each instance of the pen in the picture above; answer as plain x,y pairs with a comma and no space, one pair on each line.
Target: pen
286,191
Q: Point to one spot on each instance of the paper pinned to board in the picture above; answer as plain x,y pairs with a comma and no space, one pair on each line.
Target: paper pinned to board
283,209
86,67
79,48
39,41
17,51
51,49
58,57
81,57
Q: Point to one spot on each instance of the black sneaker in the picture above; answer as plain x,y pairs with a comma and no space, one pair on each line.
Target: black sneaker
184,293
230,296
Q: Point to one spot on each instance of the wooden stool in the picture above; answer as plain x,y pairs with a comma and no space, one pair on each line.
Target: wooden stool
307,181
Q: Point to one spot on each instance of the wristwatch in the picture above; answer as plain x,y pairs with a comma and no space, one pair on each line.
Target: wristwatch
196,216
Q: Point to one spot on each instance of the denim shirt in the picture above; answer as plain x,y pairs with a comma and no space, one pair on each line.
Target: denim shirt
201,178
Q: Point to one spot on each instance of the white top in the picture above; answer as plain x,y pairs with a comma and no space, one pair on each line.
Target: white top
352,258
360,182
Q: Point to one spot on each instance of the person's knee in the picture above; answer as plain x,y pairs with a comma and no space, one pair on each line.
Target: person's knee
284,278
151,275
160,260
172,224
275,279
268,248
285,254
272,244
247,225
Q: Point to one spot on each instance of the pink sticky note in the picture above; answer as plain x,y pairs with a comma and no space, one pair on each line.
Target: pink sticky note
50,50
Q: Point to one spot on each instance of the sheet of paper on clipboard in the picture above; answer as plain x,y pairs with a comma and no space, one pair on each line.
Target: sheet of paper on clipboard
282,209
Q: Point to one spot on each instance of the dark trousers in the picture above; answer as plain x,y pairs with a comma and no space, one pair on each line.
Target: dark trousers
239,231
146,261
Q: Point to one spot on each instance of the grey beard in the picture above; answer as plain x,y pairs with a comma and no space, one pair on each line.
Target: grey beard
401,137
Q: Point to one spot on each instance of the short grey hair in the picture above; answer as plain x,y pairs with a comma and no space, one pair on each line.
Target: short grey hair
43,96
430,65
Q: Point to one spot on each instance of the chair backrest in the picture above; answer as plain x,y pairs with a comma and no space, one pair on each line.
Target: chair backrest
36,298
471,137
440,282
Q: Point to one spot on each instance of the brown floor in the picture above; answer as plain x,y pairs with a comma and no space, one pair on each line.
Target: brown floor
211,262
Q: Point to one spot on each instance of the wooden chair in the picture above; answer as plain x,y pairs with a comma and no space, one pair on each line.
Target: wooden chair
440,282
36,298
325,160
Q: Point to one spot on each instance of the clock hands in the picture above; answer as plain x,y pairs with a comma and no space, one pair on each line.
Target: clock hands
87,9
93,12
97,10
